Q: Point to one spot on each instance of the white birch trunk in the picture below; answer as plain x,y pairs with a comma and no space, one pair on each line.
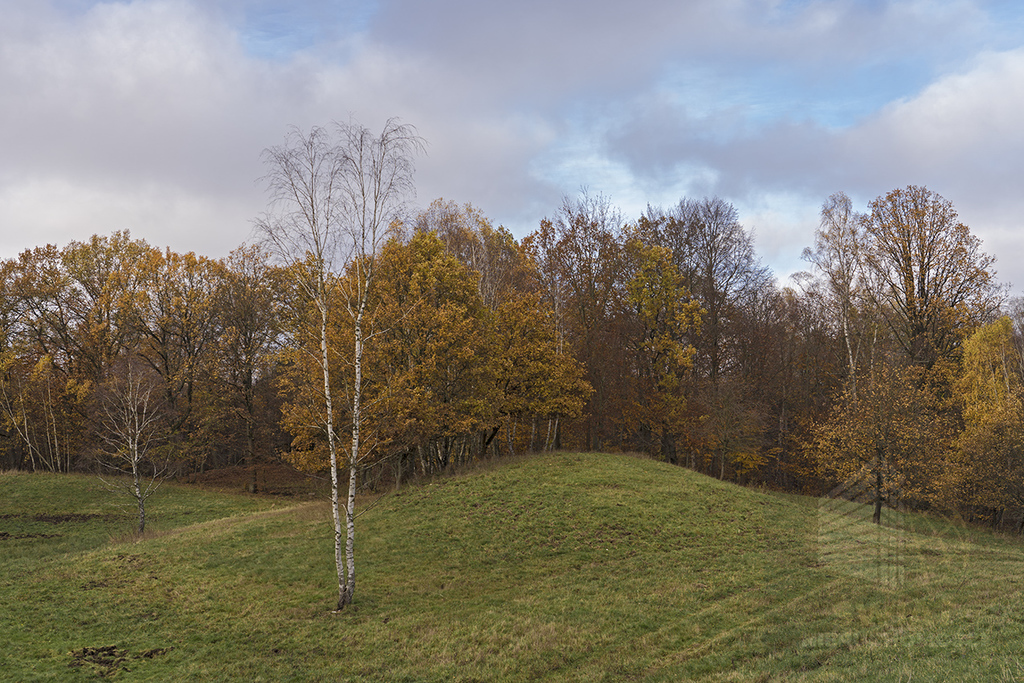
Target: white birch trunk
849,348
137,488
329,405
350,511
326,189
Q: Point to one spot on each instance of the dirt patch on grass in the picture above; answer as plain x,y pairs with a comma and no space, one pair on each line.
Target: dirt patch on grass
4,536
62,519
109,659
58,518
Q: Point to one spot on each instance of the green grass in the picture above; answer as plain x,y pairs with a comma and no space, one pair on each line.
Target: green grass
569,567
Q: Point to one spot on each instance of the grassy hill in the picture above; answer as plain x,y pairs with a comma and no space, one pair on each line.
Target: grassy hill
573,567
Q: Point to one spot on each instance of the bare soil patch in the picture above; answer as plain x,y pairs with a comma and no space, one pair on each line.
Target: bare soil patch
4,536
109,659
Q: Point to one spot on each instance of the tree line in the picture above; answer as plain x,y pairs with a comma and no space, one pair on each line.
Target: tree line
76,321
893,366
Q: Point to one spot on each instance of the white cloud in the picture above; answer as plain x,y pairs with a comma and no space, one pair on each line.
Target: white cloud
971,117
151,114
55,211
124,106
961,137
146,115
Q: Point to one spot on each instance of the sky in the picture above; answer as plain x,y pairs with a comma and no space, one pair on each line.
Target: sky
151,115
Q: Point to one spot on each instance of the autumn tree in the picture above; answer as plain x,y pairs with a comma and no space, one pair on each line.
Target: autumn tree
665,319
249,316
430,383
43,409
796,369
579,254
932,281
12,457
108,278
501,264
884,441
541,249
537,379
446,374
45,381
333,198
715,255
750,411
985,474
176,325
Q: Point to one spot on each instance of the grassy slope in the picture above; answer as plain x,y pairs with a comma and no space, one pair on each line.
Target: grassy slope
567,567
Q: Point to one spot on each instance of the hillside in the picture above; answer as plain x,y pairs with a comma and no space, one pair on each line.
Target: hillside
563,567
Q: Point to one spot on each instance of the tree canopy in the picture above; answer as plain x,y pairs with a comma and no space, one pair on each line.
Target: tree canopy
443,340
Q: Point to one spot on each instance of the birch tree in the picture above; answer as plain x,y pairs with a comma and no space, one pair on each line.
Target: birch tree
838,255
333,196
130,428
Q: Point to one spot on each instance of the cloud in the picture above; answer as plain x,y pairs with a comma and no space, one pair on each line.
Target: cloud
148,115
118,82
164,216
967,120
960,136
151,114
117,101
576,46
124,111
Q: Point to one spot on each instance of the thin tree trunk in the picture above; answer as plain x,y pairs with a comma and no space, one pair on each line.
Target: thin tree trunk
849,353
31,453
668,447
489,438
877,517
510,436
339,560
250,451
24,414
398,471
350,511
139,498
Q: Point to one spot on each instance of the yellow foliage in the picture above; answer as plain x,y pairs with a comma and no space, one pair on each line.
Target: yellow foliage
987,468
665,318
